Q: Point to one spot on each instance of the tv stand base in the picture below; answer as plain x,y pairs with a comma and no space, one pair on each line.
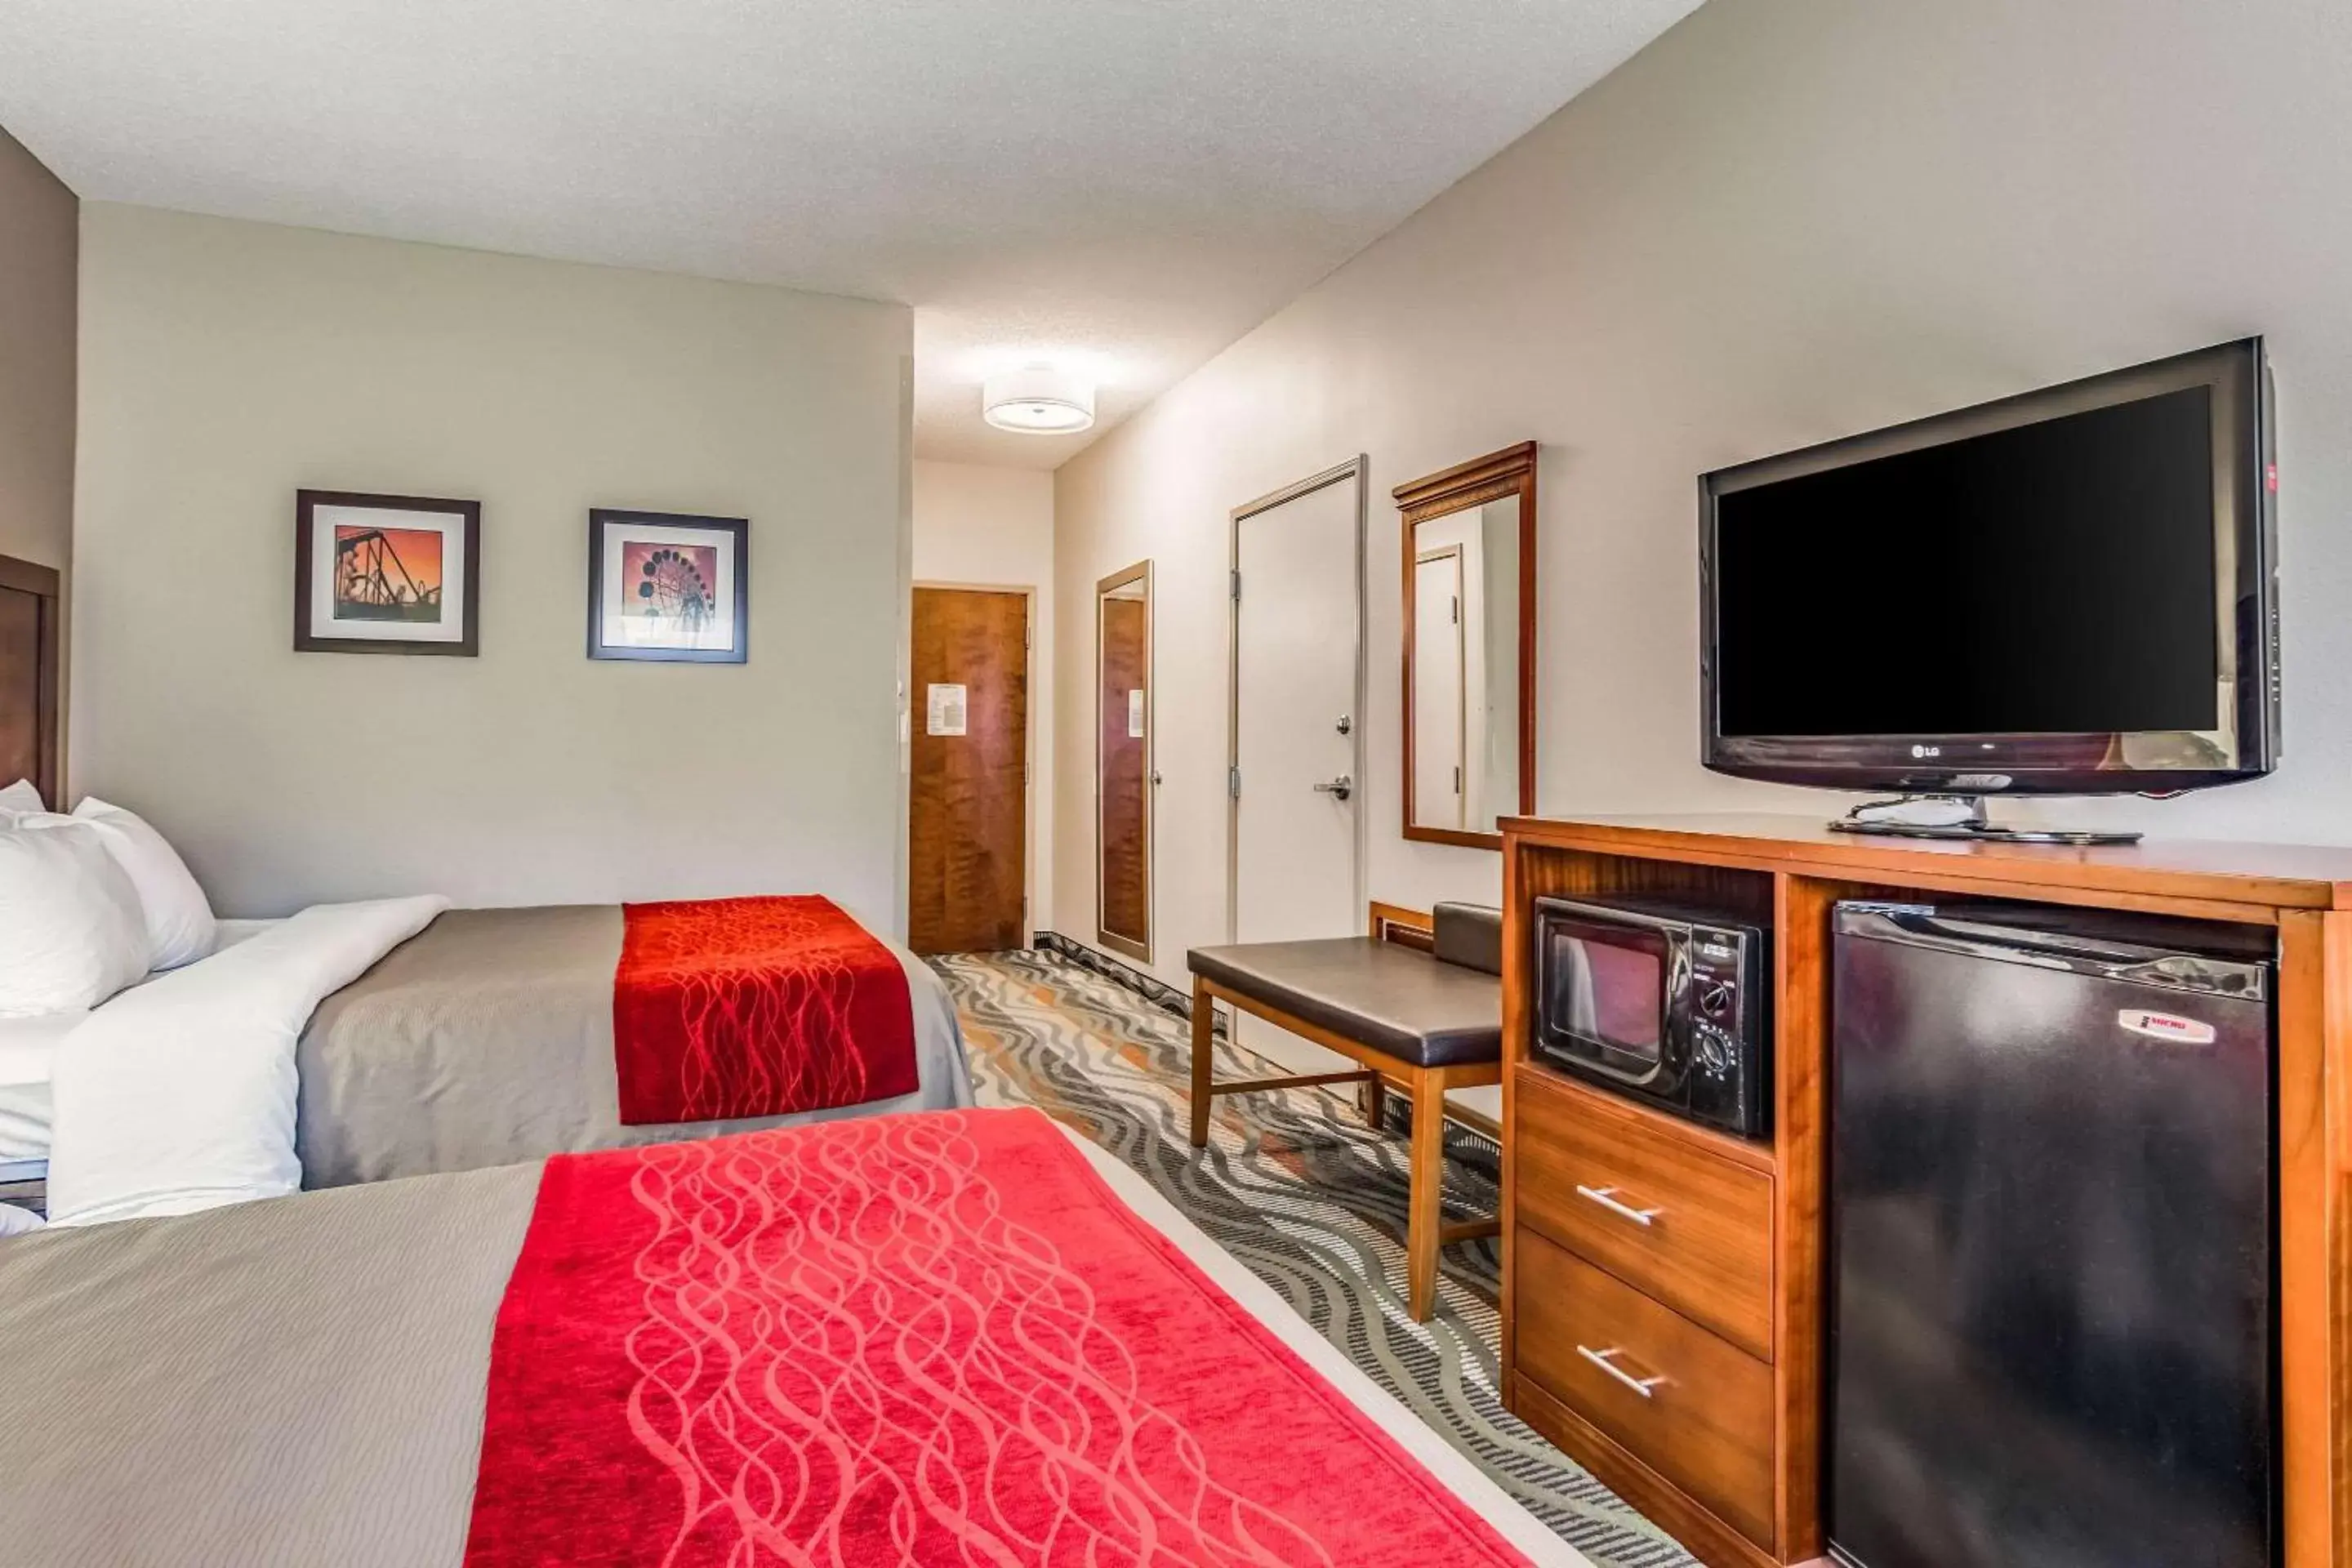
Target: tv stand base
1955,816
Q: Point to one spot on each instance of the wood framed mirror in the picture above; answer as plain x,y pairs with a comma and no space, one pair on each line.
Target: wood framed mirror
1123,775
1470,648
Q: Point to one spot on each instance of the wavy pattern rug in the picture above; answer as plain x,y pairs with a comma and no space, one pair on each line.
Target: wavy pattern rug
1302,1191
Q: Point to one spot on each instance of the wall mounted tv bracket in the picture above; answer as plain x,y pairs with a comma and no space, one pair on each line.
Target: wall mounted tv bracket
1955,816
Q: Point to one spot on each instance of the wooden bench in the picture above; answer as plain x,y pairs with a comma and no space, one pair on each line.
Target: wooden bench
1419,1003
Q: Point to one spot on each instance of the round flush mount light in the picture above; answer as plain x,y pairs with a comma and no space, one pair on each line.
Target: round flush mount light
1038,400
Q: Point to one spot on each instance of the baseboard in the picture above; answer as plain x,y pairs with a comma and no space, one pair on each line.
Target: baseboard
1157,992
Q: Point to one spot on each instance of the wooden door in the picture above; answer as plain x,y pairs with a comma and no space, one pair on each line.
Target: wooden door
1124,783
968,812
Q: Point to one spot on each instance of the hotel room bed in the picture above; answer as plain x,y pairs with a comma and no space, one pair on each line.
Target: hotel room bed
488,1038
305,1380
364,1041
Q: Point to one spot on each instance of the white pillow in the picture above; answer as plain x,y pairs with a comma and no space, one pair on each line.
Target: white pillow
179,918
19,799
71,931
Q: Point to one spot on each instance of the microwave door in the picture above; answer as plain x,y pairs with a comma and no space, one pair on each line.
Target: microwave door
1581,1018
1605,1003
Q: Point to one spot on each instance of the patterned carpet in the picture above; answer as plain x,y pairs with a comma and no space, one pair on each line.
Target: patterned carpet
1302,1191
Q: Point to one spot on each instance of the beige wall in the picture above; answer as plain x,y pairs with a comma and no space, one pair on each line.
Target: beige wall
1785,221
37,241
977,526
226,365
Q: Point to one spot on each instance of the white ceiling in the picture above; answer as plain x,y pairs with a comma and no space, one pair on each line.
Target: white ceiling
1138,180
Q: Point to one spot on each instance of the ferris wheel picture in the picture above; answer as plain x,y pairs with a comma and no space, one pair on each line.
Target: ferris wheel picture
667,588
673,584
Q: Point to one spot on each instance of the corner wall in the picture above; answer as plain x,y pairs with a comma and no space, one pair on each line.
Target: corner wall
226,365
1783,222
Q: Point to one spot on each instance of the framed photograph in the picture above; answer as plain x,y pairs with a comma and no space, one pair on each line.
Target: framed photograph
386,573
665,587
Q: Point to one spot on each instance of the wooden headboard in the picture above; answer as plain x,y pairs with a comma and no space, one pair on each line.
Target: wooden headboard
31,665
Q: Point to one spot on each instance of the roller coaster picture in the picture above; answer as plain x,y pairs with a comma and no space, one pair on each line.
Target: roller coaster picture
372,583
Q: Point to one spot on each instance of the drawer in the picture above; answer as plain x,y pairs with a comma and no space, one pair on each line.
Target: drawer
1662,1212
1703,1415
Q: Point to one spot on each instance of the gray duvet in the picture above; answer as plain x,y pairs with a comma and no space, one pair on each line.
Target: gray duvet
299,1383
285,1384
486,1039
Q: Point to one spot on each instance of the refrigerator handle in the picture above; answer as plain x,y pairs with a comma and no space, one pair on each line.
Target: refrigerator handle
1921,925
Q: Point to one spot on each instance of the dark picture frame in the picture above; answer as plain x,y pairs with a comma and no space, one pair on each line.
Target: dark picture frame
396,595
700,565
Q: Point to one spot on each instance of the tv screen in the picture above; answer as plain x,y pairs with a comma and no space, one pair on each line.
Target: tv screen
2052,579
2053,599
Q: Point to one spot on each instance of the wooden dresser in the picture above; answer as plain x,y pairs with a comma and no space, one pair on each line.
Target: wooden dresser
1663,1284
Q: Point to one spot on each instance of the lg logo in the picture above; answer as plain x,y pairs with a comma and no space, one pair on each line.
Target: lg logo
1926,751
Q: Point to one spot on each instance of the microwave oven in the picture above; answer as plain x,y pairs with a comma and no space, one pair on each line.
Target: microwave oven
1658,1001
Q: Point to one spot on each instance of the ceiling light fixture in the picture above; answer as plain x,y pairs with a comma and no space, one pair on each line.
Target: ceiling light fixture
1038,400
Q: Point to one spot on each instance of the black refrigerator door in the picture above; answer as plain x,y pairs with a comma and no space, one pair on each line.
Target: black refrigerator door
2051,1294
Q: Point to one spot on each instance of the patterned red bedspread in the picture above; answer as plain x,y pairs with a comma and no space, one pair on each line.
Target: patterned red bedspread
731,1007
929,1338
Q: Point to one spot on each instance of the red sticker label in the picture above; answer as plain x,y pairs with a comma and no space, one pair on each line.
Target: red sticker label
2270,477
2165,1026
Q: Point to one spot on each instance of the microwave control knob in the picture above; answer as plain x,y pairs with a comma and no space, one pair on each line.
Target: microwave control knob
1715,1000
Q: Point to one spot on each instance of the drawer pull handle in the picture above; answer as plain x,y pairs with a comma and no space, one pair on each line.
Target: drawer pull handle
1607,1198
1606,1361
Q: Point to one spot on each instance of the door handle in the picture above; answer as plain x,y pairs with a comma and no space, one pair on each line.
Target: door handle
1607,1361
1607,1198
1339,788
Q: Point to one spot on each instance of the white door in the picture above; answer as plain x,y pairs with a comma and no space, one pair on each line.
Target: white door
1297,633
1438,756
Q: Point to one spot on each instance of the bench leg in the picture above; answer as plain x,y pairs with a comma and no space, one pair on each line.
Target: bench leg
1204,1060
1424,1186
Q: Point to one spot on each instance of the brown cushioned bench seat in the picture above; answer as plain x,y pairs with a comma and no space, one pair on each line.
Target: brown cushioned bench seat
1420,1002
1400,1002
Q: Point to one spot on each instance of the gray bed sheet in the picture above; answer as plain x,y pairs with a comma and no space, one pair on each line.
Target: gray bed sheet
279,1385
486,1039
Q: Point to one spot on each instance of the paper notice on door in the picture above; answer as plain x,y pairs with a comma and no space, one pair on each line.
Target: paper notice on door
945,708
1135,713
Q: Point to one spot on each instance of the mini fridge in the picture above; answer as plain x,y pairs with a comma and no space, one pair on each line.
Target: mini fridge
2051,1261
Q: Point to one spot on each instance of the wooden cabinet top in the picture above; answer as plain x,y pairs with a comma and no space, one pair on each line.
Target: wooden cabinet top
2259,875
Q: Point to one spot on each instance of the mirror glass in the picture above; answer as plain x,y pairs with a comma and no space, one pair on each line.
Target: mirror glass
1123,775
1468,536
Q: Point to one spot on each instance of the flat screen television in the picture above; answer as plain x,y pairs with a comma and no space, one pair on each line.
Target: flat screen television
2069,592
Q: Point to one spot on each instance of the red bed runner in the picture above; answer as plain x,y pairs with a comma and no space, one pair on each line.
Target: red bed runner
729,1007
930,1339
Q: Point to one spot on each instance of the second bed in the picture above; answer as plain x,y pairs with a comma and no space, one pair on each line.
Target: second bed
489,1038
360,1042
